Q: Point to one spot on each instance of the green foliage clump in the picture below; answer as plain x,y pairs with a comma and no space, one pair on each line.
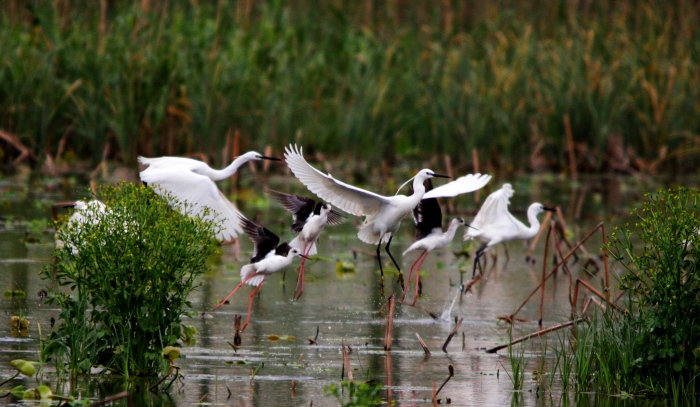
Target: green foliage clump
661,253
362,394
122,279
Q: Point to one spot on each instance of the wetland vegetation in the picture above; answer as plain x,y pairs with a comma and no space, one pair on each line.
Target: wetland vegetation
507,87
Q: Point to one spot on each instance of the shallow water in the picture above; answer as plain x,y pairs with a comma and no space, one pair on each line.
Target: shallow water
342,305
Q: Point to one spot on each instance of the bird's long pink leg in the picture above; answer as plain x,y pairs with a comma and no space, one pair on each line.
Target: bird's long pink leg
423,257
408,281
250,305
300,278
233,292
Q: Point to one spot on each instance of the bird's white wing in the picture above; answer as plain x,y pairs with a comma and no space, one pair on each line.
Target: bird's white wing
492,212
346,197
182,163
198,191
461,185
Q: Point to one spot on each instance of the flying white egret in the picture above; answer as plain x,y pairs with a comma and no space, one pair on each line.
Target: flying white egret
494,224
85,213
309,219
268,258
383,214
193,182
429,236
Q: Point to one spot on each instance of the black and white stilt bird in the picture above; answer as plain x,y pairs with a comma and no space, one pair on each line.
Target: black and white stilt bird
269,257
429,235
309,218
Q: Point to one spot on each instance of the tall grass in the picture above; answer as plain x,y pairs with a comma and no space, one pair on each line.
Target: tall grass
375,80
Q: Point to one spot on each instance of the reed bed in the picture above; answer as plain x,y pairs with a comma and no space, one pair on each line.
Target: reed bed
375,81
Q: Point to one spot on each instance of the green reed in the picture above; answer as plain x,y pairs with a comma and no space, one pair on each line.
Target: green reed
370,79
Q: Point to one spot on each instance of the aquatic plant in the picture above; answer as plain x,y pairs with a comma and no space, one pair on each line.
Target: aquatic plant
358,394
655,346
123,282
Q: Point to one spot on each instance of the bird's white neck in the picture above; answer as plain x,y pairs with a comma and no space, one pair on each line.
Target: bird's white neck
534,222
222,174
418,190
450,233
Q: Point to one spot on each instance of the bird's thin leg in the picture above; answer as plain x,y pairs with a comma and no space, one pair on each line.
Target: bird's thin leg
250,305
423,257
381,270
233,292
408,282
400,279
307,249
477,260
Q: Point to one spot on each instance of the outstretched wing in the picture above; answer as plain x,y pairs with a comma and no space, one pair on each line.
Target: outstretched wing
493,211
348,198
264,241
462,185
198,191
300,207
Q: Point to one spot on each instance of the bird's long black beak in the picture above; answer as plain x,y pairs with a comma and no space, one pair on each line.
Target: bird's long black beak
547,208
470,226
301,255
264,157
441,176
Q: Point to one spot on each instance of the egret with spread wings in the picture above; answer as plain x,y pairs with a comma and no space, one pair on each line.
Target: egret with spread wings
383,214
494,224
193,182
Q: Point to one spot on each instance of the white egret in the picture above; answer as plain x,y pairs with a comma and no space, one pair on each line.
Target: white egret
494,224
268,258
429,236
383,214
309,219
85,213
193,182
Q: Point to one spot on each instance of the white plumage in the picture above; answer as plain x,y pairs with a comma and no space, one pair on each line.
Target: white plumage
382,214
193,182
85,213
494,224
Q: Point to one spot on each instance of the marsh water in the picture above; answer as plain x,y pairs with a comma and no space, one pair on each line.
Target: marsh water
340,304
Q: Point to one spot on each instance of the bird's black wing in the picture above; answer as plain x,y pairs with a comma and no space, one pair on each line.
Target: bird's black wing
264,241
300,207
283,250
427,214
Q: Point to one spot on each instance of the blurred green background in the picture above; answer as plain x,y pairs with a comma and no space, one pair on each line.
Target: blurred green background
528,84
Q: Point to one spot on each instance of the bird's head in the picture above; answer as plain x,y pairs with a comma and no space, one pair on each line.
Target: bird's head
427,174
254,155
459,221
294,252
537,208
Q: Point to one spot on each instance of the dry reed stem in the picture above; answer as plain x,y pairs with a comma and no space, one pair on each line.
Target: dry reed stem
570,147
562,261
475,161
471,283
389,322
237,330
452,334
423,345
544,272
15,142
451,369
536,334
346,360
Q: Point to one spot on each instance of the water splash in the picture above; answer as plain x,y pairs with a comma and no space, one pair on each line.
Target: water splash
447,310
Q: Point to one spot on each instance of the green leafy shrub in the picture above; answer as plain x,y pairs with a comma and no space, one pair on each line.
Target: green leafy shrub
661,252
128,271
